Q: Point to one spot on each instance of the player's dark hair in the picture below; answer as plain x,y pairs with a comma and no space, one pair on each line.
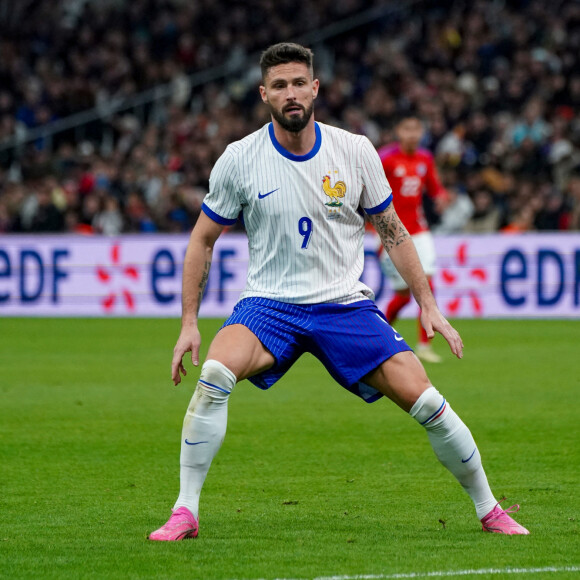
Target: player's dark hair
406,114
283,53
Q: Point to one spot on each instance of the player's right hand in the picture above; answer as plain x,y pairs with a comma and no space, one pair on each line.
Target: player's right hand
433,321
189,341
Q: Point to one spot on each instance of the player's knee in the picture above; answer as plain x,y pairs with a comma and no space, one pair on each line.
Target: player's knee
217,373
216,380
428,407
213,387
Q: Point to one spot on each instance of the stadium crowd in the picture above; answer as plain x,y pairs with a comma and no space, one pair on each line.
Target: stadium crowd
497,83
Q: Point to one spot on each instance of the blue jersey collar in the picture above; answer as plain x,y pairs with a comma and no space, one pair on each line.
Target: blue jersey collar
291,156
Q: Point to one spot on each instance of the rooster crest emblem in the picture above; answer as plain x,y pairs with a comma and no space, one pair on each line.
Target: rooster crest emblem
334,193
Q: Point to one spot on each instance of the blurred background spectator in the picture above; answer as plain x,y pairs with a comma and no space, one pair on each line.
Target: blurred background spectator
454,213
158,89
486,216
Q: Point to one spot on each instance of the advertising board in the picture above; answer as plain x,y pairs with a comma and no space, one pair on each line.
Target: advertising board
503,276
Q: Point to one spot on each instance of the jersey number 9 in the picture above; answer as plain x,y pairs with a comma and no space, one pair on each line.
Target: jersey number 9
305,230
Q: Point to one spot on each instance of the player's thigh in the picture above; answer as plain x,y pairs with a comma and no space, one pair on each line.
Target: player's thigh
401,378
240,350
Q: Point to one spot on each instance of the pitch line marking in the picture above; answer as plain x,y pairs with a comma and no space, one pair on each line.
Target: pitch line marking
451,573
447,573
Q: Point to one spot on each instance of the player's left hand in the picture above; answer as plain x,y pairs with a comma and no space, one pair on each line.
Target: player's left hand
433,321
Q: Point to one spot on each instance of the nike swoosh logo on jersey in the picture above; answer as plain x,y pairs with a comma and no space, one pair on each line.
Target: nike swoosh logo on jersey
260,196
466,460
196,443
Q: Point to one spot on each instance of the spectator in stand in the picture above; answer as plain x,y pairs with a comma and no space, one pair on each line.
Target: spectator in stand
90,208
109,221
46,217
553,215
454,212
532,126
522,221
486,216
5,218
498,87
573,193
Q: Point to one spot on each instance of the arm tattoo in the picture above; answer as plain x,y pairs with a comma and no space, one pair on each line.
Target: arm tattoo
390,228
203,282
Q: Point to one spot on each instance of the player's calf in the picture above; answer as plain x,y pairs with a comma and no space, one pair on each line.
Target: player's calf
454,446
204,429
451,439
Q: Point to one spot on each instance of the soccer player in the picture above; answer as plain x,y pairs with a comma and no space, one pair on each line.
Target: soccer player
411,171
300,185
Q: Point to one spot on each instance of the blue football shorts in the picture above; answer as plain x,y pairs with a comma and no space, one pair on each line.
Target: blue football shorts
350,340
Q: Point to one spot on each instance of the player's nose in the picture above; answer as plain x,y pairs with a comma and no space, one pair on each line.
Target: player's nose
290,93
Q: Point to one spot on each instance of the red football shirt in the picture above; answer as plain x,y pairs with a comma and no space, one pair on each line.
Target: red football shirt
410,174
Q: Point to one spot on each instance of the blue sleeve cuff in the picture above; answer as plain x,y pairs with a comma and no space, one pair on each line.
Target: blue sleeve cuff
381,207
217,218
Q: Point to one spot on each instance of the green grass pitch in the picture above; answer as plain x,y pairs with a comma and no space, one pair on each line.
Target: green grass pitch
310,482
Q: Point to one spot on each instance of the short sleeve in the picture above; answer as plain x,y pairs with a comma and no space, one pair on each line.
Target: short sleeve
377,193
222,203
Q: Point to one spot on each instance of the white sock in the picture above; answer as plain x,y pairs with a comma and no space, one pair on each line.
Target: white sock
454,447
204,429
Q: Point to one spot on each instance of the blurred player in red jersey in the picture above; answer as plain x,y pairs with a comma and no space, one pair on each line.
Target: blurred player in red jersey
411,171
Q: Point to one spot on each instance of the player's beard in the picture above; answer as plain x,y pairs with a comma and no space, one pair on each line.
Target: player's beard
294,123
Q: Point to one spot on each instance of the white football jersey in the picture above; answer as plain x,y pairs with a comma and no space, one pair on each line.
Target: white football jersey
303,214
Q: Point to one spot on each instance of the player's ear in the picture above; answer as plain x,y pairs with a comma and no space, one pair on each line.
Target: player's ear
315,87
263,93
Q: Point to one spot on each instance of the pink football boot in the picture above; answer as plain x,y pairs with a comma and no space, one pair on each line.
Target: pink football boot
181,525
498,521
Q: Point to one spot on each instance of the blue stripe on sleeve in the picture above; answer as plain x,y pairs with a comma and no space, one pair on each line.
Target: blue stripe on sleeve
217,218
379,208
